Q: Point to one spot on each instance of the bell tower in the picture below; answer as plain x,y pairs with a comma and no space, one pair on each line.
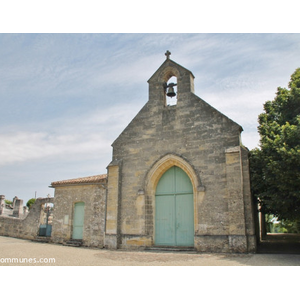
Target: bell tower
170,81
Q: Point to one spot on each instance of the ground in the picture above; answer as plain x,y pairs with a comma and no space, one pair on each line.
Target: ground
19,252
288,243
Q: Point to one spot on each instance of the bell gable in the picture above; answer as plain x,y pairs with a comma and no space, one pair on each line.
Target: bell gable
189,112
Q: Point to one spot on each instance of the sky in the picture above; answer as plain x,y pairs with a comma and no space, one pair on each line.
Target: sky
64,98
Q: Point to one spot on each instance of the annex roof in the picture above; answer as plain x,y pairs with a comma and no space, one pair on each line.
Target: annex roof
82,180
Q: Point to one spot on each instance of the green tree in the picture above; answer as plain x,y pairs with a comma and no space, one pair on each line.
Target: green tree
275,166
30,203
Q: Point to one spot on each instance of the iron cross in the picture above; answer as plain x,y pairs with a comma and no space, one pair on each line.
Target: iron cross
167,54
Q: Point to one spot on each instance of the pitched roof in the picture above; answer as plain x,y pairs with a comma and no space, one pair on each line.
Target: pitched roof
169,62
82,180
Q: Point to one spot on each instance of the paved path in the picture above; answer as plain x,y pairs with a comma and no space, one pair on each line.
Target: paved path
27,253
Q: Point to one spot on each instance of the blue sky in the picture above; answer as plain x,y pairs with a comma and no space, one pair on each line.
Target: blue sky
64,98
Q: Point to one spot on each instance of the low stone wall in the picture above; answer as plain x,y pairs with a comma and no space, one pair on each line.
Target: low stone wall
27,228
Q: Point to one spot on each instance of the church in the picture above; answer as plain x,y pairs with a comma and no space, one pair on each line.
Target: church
178,179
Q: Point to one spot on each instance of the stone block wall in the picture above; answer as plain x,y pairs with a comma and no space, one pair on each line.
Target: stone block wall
27,228
190,134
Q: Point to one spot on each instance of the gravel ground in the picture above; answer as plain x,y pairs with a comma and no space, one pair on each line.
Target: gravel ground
18,252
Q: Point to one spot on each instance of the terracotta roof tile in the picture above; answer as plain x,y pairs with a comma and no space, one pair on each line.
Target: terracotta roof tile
81,180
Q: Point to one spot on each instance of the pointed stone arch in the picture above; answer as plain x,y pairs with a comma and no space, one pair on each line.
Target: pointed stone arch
166,162
152,179
167,73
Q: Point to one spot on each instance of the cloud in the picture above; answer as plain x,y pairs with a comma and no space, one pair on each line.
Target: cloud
24,146
90,134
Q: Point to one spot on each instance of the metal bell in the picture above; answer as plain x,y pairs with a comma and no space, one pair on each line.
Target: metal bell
171,92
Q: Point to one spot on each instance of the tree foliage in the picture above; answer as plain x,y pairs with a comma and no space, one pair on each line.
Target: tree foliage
275,167
30,202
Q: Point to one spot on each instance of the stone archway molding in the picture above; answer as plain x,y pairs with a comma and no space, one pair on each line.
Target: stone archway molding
165,163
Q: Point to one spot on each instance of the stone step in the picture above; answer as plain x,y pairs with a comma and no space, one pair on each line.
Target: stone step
171,249
73,243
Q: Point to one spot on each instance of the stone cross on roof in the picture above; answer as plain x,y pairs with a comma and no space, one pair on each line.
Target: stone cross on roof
167,54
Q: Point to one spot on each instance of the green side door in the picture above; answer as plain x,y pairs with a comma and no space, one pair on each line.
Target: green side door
78,221
174,209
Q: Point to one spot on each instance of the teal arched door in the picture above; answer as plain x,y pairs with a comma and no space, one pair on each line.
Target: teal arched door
174,209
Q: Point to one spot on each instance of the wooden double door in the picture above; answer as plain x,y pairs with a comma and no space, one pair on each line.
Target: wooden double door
174,209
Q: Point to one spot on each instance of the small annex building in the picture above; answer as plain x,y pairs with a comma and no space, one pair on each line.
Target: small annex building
179,177
79,210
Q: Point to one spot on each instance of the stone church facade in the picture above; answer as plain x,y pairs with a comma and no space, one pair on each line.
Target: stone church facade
179,177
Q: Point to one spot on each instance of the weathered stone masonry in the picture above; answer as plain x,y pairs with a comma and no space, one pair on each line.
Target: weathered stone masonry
200,140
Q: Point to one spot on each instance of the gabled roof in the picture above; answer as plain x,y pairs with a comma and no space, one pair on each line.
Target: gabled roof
82,180
169,62
164,69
